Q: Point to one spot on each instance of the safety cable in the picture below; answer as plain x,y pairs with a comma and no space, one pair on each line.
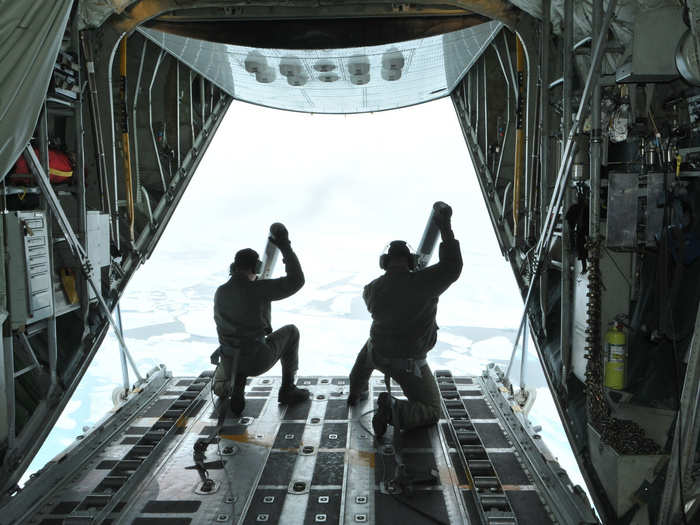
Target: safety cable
408,504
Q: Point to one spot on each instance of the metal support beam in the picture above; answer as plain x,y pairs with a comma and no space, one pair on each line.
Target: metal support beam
30,350
7,364
122,354
486,105
523,358
115,173
685,438
52,341
201,100
521,329
545,43
134,123
566,283
177,110
191,109
150,118
79,175
73,243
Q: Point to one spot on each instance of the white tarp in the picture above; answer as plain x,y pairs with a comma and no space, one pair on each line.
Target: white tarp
30,37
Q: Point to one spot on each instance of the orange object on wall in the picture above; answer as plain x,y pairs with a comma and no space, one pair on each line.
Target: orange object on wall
60,169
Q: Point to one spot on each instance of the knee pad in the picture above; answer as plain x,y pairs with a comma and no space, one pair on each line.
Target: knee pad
221,387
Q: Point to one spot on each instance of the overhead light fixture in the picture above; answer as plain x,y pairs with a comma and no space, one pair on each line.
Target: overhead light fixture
391,74
290,66
393,60
359,80
358,65
265,75
328,77
324,66
254,62
297,80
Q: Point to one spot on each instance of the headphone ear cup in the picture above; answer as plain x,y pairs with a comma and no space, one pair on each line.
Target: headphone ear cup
258,267
414,261
382,261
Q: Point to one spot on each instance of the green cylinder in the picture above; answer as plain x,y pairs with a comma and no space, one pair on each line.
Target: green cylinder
615,359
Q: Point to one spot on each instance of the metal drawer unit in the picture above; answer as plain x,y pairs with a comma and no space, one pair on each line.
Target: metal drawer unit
29,267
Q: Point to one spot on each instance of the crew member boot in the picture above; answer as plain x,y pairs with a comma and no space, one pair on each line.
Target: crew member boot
289,393
292,394
237,395
382,417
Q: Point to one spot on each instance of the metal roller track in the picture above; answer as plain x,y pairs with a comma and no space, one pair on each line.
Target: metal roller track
139,461
491,500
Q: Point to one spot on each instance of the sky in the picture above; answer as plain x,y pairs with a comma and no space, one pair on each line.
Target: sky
344,186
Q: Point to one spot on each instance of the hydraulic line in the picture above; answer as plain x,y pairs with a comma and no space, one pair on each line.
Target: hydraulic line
124,124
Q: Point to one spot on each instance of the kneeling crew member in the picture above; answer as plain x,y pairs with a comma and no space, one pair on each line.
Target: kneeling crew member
403,304
249,347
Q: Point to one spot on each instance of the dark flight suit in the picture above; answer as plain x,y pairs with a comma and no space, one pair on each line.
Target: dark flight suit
403,305
242,315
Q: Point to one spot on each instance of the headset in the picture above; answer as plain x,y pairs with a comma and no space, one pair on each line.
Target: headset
257,269
398,248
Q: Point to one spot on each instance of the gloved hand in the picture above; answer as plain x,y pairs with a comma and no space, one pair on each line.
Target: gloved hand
279,236
443,217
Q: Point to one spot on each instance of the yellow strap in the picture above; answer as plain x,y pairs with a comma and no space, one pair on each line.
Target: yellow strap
59,173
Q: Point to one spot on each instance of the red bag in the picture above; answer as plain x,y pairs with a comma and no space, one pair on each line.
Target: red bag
60,169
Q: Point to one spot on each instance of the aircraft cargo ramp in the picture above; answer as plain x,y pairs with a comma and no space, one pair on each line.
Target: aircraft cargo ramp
165,457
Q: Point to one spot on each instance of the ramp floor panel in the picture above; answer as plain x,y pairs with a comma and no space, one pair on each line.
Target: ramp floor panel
316,462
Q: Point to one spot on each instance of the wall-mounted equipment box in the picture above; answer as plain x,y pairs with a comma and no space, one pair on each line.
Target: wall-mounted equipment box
657,33
29,267
97,241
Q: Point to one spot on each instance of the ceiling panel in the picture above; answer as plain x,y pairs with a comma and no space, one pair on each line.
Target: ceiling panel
353,80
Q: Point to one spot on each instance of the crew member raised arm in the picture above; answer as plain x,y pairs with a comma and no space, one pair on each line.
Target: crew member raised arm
242,312
403,305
